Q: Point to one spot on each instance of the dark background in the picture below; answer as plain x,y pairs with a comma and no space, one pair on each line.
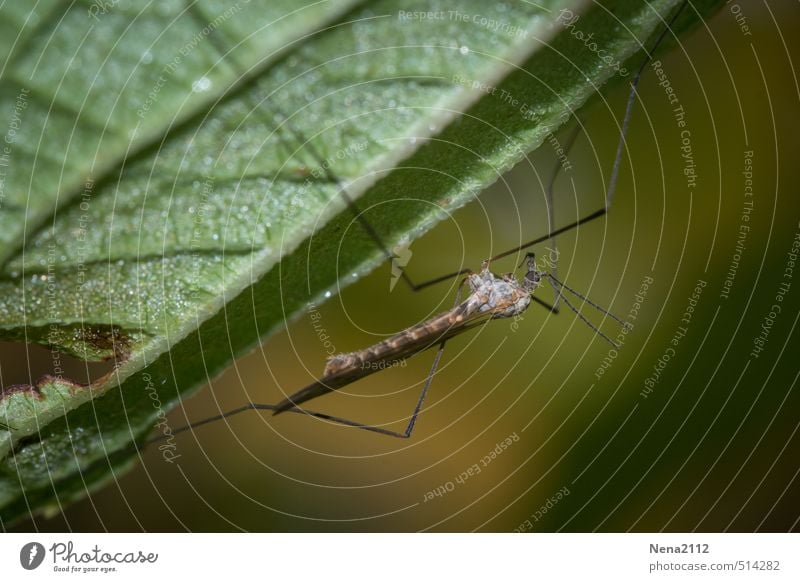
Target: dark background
714,447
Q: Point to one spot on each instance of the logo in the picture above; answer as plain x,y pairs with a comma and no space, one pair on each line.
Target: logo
31,555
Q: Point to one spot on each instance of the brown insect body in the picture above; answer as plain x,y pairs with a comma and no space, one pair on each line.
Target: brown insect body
492,297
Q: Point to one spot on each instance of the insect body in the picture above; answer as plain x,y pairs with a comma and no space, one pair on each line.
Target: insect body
492,297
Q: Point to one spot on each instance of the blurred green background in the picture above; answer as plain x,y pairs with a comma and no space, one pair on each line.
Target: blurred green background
712,447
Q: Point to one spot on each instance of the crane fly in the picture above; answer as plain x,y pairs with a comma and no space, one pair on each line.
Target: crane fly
491,296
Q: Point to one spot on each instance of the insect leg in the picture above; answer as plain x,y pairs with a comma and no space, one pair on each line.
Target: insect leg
308,146
549,201
551,234
323,416
621,148
413,420
272,407
368,427
559,288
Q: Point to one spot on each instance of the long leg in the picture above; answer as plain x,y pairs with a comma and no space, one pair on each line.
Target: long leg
321,415
411,422
621,146
306,144
612,184
533,276
559,288
551,217
549,201
331,176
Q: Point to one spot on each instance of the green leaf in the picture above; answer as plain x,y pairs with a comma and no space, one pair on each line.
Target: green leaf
88,84
167,226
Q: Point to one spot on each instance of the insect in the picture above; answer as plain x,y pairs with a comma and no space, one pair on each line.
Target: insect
491,297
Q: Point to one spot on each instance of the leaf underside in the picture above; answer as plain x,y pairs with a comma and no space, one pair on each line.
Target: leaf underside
156,204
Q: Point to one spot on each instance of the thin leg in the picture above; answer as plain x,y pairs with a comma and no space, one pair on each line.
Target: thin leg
558,287
546,304
396,267
532,279
330,175
549,200
585,299
550,203
621,146
376,429
552,233
321,415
